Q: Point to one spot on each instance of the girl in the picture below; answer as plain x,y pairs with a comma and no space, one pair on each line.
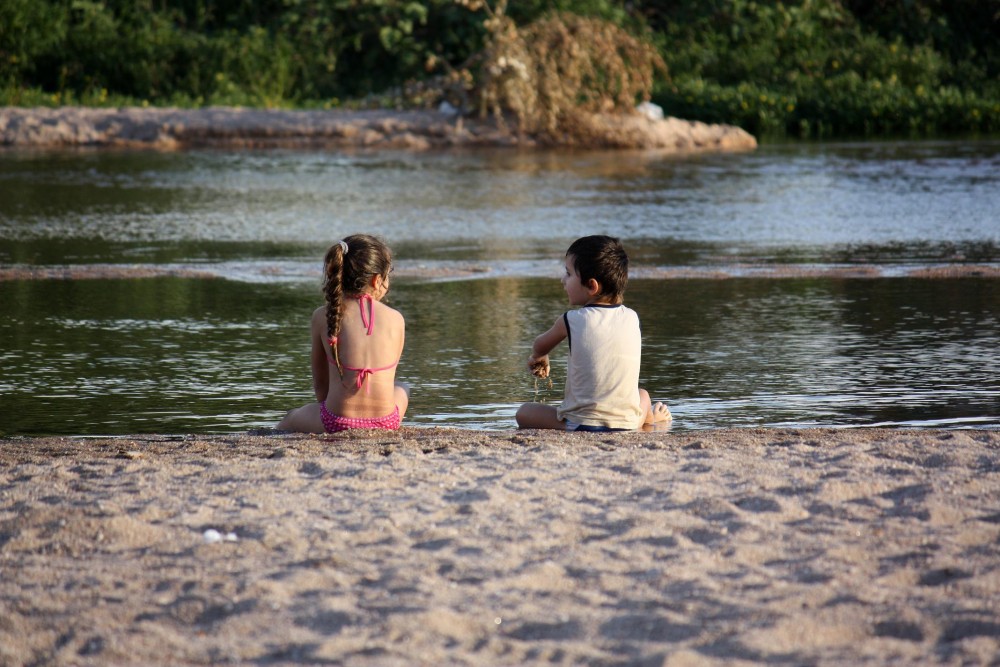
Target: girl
356,344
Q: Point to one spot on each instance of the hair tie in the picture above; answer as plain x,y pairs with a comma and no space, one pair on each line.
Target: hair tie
343,247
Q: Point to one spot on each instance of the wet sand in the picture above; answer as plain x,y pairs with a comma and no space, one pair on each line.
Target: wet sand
452,547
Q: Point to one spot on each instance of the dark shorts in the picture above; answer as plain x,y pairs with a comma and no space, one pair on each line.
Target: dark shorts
585,428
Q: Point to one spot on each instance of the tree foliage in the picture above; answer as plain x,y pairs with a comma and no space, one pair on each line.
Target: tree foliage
833,67
802,67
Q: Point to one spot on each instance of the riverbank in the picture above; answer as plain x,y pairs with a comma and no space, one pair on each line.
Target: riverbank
438,546
227,127
484,270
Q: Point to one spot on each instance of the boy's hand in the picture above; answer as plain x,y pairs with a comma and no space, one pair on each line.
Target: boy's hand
539,366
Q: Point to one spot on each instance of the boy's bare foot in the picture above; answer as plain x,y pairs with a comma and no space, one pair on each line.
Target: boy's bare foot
659,413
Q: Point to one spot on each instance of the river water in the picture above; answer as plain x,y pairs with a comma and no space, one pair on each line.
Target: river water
798,285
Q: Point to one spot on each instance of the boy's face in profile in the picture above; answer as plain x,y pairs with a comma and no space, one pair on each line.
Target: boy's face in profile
577,292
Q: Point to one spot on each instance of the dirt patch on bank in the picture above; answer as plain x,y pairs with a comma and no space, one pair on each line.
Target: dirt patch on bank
225,127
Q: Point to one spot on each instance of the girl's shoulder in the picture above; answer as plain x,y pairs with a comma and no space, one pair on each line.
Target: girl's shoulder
392,320
319,316
389,311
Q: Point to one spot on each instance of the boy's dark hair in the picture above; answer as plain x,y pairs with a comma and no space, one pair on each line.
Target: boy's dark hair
602,258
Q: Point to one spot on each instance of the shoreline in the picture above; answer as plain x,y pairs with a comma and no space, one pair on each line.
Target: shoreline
445,546
483,270
242,128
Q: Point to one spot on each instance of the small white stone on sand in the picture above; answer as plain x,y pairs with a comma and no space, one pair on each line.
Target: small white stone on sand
212,536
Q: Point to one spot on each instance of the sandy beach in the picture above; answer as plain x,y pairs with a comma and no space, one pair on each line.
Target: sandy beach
451,547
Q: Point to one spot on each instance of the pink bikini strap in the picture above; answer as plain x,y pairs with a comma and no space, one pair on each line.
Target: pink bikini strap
369,321
363,374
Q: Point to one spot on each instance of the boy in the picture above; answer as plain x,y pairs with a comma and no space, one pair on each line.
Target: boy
602,373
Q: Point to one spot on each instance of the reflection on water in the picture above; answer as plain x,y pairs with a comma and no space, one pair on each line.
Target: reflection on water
201,355
800,202
177,355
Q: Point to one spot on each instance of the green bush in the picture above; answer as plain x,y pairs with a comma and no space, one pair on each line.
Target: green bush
811,68
800,67
233,51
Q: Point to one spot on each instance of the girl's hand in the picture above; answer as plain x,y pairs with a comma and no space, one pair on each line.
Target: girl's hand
539,366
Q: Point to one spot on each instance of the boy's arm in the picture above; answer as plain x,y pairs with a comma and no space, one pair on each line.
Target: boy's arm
318,360
538,362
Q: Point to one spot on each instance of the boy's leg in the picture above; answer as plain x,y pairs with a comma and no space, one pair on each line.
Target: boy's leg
539,415
653,412
306,419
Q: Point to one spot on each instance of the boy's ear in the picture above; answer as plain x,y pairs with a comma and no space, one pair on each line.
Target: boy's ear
593,287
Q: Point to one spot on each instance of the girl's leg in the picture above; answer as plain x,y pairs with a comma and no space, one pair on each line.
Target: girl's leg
402,397
653,413
539,415
306,419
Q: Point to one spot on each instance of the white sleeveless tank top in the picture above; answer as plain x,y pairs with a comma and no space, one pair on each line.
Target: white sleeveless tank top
602,374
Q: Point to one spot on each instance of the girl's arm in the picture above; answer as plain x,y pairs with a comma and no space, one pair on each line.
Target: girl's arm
318,360
538,362
402,336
